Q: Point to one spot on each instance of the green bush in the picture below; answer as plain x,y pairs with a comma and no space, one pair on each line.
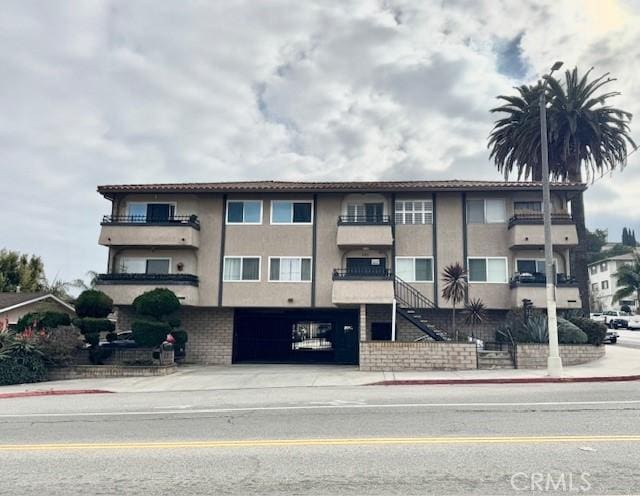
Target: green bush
180,336
158,303
595,331
93,303
93,325
42,320
21,368
92,338
59,346
569,333
149,332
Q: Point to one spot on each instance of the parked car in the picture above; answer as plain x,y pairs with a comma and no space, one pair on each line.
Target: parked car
611,337
633,322
614,319
124,340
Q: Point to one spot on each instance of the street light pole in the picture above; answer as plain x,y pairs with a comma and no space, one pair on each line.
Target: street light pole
554,362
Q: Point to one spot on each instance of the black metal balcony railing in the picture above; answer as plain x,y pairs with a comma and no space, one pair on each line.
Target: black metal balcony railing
539,279
190,220
362,274
126,278
537,218
364,220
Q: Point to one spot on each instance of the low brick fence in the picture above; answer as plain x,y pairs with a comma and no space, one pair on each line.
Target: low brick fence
534,356
106,371
424,355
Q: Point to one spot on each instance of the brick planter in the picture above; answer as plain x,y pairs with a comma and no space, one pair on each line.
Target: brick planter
106,371
395,355
534,356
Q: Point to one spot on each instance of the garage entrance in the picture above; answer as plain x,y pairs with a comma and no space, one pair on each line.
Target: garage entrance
295,336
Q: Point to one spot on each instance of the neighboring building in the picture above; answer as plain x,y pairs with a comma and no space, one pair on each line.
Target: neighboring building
603,283
15,305
290,271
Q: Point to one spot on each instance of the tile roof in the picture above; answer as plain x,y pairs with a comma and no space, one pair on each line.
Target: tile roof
11,299
333,187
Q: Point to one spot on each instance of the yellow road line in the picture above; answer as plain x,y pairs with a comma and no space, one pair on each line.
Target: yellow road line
253,443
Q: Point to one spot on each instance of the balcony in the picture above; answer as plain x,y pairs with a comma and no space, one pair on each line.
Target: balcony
139,230
370,231
527,231
533,287
124,288
354,287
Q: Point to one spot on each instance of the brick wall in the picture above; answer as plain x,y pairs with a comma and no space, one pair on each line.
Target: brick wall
392,356
210,332
534,356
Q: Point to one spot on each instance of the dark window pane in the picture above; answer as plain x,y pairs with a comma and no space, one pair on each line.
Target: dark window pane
306,269
234,213
423,269
157,266
526,266
250,269
275,269
302,212
158,212
475,211
477,269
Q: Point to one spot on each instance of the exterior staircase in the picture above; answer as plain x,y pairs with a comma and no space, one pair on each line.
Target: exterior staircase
411,305
495,359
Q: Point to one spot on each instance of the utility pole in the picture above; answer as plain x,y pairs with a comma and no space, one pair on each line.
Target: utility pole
554,362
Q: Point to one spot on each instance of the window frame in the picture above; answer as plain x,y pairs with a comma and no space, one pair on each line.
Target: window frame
540,202
403,212
604,284
146,204
506,266
146,259
242,257
291,223
239,200
292,256
555,264
426,257
604,267
484,210
595,287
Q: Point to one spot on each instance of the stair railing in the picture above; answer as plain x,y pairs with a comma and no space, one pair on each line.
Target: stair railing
410,297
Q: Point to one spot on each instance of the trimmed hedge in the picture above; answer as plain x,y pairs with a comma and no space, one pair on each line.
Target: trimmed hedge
44,320
569,333
150,332
157,303
595,331
93,325
20,369
93,303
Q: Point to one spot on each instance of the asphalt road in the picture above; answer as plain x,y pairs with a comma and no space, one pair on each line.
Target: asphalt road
628,339
551,438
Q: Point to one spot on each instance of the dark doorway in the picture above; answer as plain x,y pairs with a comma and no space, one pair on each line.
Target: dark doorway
296,336
373,212
381,331
159,212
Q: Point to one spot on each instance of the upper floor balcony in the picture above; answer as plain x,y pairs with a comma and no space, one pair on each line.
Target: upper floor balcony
123,288
143,230
357,286
533,287
364,230
526,230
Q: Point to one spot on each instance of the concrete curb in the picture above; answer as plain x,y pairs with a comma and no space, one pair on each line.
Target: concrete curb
518,380
52,392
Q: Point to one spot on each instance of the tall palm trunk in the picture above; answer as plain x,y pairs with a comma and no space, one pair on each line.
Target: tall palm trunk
453,323
579,269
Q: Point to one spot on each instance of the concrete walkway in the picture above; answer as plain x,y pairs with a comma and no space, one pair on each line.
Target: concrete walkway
618,362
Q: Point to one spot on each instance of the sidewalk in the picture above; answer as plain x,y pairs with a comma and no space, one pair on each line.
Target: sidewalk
618,364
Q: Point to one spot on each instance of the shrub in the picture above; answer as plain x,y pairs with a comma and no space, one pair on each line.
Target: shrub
58,346
180,336
92,338
21,368
157,303
93,303
93,325
595,331
42,320
569,333
625,308
149,332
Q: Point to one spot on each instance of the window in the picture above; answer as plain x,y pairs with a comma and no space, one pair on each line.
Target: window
414,269
488,269
244,212
605,284
241,269
292,269
530,266
594,287
150,212
414,212
365,212
593,269
527,206
145,266
603,267
489,211
288,212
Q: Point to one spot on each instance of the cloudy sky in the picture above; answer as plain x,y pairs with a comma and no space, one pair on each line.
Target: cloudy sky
100,92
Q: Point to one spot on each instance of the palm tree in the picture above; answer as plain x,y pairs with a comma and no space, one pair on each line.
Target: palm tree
586,135
82,285
629,280
454,289
475,313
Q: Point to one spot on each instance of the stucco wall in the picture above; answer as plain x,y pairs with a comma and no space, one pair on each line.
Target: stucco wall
392,356
534,356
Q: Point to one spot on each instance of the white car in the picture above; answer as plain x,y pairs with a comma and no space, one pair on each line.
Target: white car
611,318
633,322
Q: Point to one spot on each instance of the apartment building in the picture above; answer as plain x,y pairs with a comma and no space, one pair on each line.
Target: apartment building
297,271
603,283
